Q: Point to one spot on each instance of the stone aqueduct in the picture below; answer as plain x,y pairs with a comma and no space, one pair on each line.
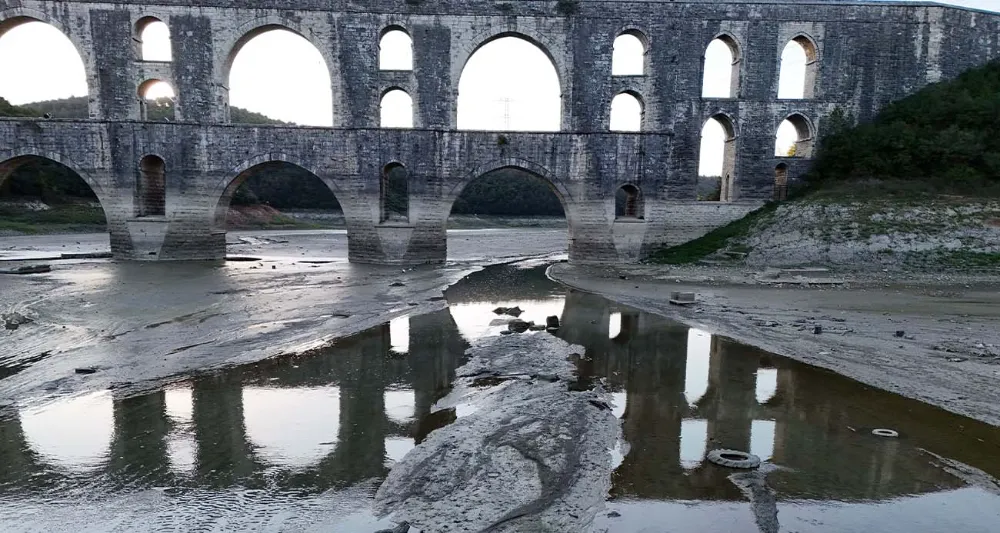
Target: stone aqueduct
862,56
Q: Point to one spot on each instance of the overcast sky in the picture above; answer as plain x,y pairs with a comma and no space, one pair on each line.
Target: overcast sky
508,84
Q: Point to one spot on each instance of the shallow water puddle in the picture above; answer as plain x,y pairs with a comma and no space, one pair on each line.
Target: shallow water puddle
299,443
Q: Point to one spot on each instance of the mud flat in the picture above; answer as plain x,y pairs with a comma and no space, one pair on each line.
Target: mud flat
931,337
135,323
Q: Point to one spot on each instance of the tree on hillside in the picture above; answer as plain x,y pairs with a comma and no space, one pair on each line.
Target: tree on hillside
946,136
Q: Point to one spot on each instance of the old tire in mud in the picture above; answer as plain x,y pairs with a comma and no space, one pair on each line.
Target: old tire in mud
734,459
887,433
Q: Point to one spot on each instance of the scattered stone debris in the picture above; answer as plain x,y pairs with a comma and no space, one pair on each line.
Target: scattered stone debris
683,298
85,255
519,326
28,269
509,311
14,320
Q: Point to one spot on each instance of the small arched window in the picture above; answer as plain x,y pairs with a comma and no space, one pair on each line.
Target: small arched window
626,112
395,50
151,187
799,68
156,101
794,137
395,194
781,182
628,58
396,109
153,39
718,160
722,69
628,202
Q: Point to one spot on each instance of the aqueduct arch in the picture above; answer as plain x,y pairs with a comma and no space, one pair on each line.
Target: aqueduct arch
201,148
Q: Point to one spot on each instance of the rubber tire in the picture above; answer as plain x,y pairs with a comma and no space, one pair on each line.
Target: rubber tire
749,460
885,433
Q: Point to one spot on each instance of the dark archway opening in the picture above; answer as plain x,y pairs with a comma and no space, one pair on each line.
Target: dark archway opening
781,182
628,202
39,195
509,192
278,195
151,187
523,204
394,194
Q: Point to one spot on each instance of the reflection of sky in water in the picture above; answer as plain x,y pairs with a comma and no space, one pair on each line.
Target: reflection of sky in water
762,438
397,447
74,433
699,349
400,405
399,334
181,446
614,325
767,384
473,319
289,427
618,403
694,442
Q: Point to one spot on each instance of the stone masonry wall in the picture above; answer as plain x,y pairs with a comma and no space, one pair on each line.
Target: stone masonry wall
867,55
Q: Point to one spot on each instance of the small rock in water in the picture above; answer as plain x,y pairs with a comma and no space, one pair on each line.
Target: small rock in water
86,370
614,514
537,327
552,322
900,333
500,311
519,326
397,284
818,329
514,311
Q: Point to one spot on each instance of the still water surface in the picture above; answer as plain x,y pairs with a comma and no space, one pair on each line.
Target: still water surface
299,443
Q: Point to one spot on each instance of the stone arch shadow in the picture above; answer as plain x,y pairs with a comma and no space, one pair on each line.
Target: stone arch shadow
222,192
557,186
9,157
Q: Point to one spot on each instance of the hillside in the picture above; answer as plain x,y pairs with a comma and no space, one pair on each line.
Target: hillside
918,188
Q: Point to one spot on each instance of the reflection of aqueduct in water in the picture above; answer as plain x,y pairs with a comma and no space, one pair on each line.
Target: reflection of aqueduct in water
162,185
648,364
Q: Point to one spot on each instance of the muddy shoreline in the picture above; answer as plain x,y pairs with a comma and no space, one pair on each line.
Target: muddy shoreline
140,325
948,354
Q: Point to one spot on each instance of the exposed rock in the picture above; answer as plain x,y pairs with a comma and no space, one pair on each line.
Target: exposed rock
14,320
519,326
533,456
552,322
28,269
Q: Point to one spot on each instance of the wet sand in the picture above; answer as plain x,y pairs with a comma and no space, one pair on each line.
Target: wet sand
949,325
